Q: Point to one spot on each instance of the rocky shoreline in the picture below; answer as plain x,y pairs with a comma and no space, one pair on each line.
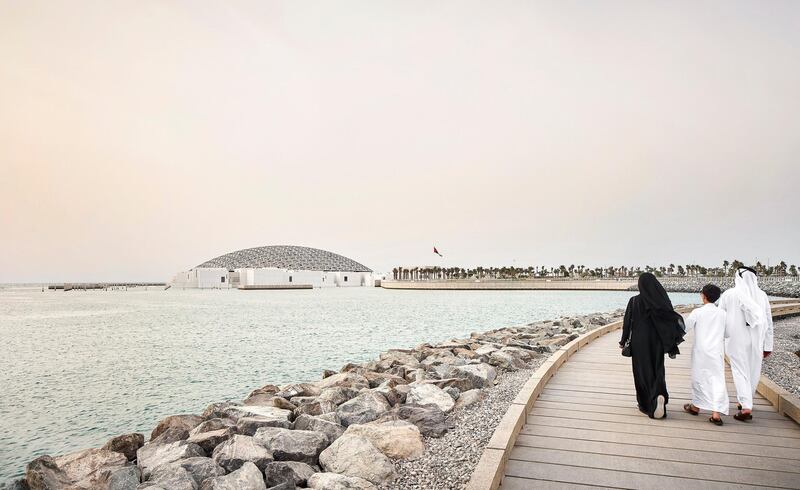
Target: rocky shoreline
414,418
786,289
783,366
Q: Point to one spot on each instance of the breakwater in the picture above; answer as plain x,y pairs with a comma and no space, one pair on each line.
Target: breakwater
771,286
364,426
516,285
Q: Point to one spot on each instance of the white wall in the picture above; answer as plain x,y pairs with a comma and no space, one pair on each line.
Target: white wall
213,278
216,278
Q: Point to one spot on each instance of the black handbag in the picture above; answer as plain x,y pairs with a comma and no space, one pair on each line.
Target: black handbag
626,350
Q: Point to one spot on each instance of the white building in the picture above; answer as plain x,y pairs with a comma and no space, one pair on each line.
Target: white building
278,266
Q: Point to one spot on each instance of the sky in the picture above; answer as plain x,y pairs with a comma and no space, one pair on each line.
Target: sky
142,138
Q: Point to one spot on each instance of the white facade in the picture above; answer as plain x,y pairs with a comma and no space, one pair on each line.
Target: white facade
220,278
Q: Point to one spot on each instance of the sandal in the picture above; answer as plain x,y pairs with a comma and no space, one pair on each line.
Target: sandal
689,408
716,421
743,417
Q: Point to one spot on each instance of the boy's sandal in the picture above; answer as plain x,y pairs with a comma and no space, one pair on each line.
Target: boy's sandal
738,406
743,417
715,421
689,408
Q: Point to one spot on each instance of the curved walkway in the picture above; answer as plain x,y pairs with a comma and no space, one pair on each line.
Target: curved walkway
584,430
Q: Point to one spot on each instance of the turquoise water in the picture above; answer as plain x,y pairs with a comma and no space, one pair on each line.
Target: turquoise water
79,367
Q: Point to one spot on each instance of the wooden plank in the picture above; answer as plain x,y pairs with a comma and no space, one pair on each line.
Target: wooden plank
684,421
514,483
674,413
634,464
660,428
660,453
675,403
617,479
658,441
628,396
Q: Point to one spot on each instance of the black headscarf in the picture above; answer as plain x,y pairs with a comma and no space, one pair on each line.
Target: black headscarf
657,306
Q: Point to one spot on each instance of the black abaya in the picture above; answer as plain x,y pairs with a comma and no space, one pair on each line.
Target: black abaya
655,329
647,357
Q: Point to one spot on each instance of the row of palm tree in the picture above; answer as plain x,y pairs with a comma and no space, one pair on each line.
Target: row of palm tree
728,268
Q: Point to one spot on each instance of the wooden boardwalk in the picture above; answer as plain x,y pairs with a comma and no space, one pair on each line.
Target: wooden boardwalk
584,430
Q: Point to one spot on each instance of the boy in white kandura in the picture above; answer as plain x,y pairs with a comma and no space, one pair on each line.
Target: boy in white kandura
709,391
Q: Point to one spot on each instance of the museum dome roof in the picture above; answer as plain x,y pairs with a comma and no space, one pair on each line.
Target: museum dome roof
286,257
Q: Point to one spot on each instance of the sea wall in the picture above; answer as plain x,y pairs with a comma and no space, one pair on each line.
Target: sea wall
773,287
365,426
501,285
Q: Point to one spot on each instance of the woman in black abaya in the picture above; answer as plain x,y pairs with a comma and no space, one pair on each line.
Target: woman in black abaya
654,329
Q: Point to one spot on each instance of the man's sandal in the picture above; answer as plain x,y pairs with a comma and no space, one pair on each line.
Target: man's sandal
743,417
715,421
689,408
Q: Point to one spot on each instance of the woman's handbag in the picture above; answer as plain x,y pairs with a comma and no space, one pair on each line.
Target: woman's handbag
626,350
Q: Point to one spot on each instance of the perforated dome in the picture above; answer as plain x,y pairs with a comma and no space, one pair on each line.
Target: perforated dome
286,257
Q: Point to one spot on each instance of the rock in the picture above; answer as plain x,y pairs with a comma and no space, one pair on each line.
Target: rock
172,434
211,439
151,455
480,375
247,477
265,400
315,408
364,408
298,389
82,469
337,395
187,422
335,481
293,472
331,430
239,449
292,445
453,392
213,424
429,419
332,417
18,484
354,455
396,439
467,398
425,394
125,478
198,469
265,390
126,444
505,360
249,425
280,415
345,380
327,373
220,410
462,383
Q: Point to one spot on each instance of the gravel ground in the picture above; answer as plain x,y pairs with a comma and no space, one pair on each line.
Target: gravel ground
448,462
783,366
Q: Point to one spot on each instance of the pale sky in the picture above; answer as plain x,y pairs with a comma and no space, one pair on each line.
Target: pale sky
140,138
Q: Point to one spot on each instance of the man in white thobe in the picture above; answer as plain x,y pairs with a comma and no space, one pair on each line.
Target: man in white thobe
709,391
748,335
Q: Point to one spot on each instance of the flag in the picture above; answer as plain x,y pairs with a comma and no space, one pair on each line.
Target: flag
437,252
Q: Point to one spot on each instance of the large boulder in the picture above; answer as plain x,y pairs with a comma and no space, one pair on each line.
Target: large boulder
397,439
238,450
354,455
150,456
348,379
364,408
90,468
428,394
125,478
298,389
292,445
187,422
469,397
219,410
197,469
331,429
126,444
172,434
316,407
335,481
480,375
429,419
506,360
211,439
237,411
265,400
293,472
249,425
337,395
212,424
247,477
